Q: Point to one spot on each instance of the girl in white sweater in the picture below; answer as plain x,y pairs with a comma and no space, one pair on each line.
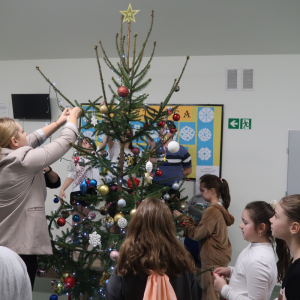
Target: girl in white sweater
255,274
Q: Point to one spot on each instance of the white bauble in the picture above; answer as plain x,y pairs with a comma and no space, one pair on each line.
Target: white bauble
175,186
122,223
149,166
121,203
173,147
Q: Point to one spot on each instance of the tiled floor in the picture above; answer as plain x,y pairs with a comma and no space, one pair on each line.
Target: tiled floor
43,290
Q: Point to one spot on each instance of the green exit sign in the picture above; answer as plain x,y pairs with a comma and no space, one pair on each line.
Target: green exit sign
236,123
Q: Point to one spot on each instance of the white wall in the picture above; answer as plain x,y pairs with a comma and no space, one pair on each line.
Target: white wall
254,161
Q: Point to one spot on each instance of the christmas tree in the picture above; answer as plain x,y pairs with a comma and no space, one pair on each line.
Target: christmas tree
96,240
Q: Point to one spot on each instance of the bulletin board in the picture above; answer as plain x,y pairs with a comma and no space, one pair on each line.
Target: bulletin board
199,130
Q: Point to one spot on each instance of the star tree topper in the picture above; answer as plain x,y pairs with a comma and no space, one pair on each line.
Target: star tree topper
129,14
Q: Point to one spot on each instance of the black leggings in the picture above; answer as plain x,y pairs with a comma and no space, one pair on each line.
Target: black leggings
31,264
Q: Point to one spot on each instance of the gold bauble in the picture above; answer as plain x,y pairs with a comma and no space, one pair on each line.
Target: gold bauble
132,212
103,210
65,275
107,221
118,216
104,109
103,189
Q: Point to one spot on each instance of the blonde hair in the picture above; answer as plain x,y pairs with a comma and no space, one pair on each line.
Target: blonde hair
8,129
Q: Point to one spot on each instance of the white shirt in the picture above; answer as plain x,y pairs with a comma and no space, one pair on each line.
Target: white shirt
14,280
114,154
254,275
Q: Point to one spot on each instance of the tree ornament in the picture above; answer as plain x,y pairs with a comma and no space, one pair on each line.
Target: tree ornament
92,215
184,207
95,239
122,223
123,91
75,153
121,203
58,288
158,172
103,210
76,159
166,196
114,255
41,272
69,282
176,117
81,161
161,124
145,105
104,277
93,182
103,189
148,178
132,212
183,224
107,221
108,178
55,200
104,109
84,187
65,214
172,130
53,297
61,222
149,166
129,14
135,151
89,183
169,109
76,218
177,88
118,216
104,153
175,186
94,120
53,282
130,184
145,124
173,147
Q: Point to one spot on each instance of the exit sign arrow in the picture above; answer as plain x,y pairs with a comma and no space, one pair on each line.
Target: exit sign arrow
233,123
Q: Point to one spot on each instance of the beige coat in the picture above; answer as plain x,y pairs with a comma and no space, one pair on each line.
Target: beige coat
23,225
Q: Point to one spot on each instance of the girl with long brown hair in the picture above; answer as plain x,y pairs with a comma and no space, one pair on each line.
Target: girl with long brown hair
152,263
211,232
254,274
285,225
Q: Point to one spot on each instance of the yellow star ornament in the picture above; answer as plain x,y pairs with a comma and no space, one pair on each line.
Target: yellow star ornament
129,14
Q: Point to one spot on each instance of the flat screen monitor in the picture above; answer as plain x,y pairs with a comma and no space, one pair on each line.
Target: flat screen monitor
31,106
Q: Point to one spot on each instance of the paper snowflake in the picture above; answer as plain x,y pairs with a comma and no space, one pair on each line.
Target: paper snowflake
94,120
206,115
187,133
204,153
95,239
204,134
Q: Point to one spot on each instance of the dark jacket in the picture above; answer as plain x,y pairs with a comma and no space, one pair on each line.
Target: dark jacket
132,287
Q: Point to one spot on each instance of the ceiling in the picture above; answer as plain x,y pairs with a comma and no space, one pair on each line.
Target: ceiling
60,29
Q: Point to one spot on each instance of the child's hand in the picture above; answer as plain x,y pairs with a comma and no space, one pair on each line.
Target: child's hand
176,213
219,282
223,271
61,196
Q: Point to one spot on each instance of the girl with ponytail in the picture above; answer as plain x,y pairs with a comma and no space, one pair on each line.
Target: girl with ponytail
285,225
255,272
211,232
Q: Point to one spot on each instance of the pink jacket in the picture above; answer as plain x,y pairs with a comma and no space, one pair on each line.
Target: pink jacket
23,225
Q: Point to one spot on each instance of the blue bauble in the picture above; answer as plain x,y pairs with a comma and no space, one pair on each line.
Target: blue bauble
84,187
106,281
53,297
108,178
93,182
55,200
76,218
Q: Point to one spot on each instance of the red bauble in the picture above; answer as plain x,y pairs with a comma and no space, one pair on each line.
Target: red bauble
69,282
145,125
61,222
76,159
158,173
123,91
172,130
187,179
176,117
161,124
129,134
136,151
136,181
177,88
152,175
183,224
